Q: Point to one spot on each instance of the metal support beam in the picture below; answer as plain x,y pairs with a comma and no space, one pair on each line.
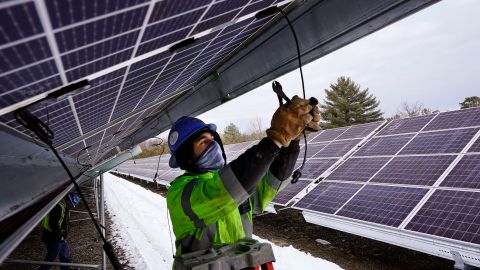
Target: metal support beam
101,216
76,265
323,27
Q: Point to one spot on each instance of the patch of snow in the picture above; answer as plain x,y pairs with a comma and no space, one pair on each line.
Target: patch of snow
141,227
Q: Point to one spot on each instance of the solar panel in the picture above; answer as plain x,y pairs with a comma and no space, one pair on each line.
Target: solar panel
414,170
418,174
465,174
323,152
47,44
358,169
328,197
456,119
452,214
380,146
384,205
475,147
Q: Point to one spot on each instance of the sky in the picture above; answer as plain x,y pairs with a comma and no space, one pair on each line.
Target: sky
431,57
140,226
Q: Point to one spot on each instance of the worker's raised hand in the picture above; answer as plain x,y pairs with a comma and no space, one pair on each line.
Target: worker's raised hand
314,125
290,119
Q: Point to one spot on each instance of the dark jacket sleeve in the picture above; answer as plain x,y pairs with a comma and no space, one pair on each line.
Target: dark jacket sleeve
252,165
55,215
283,165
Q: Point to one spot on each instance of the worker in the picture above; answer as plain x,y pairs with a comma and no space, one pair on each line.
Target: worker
212,203
55,228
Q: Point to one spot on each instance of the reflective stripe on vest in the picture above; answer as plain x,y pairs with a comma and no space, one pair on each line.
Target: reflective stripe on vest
46,219
191,243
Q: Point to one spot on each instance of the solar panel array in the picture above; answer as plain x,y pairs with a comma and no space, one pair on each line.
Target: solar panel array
324,150
145,168
46,44
418,174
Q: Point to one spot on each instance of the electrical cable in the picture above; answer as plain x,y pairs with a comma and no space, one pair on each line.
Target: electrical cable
158,163
45,134
298,172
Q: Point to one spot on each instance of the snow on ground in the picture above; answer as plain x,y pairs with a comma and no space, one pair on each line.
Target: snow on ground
139,224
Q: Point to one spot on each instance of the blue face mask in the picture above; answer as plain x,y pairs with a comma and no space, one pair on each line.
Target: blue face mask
211,159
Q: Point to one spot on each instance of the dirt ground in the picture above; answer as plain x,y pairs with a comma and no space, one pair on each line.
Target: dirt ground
288,227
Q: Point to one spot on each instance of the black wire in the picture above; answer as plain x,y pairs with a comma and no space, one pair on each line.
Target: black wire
298,172
45,134
158,163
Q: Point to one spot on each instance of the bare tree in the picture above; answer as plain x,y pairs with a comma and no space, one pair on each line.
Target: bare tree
409,110
256,131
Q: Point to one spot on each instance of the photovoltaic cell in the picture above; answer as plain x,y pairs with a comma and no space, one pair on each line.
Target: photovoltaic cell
315,167
88,33
328,197
359,131
386,205
466,174
19,21
378,146
448,141
329,135
475,147
454,119
406,125
414,170
167,8
337,149
313,148
167,26
289,192
63,13
358,169
225,6
23,54
451,214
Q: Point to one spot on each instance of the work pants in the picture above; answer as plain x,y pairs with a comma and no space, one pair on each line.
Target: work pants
55,249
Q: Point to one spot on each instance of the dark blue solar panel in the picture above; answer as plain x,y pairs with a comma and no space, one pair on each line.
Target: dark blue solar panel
448,141
74,149
359,131
28,75
328,197
23,54
451,214
163,40
99,50
406,125
100,29
358,169
315,167
63,13
329,134
94,138
29,91
379,146
454,119
313,148
386,205
475,147
224,7
94,116
289,192
167,8
416,170
98,65
466,174
337,149
170,25
19,21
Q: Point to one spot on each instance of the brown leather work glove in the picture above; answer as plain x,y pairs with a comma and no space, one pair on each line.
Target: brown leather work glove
289,121
314,125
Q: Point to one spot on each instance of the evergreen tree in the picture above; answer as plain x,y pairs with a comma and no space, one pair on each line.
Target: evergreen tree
470,102
346,105
231,134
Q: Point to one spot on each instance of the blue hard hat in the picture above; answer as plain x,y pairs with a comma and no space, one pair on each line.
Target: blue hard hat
181,131
73,199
